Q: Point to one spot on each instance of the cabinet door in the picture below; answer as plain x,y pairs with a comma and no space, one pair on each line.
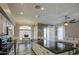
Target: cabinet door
36,49
1,23
4,24
46,51
65,53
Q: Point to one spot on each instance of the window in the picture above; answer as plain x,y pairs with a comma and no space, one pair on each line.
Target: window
49,35
60,32
25,30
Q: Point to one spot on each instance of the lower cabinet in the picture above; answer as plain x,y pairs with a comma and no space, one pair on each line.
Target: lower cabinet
39,50
65,53
68,52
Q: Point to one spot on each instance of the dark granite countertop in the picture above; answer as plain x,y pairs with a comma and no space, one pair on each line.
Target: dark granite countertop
57,47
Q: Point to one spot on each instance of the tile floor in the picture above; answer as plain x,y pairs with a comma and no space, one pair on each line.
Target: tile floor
23,49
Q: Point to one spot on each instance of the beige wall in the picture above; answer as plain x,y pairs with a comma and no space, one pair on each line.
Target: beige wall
72,30
36,32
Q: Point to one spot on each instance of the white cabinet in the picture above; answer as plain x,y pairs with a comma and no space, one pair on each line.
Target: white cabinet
0,24
39,50
4,24
65,53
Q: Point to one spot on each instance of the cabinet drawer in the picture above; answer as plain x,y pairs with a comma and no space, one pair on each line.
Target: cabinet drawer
36,49
46,51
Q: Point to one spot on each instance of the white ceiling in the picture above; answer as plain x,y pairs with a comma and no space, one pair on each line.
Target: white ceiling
54,12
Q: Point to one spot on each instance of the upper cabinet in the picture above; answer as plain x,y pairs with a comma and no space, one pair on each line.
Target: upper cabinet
4,22
6,26
0,23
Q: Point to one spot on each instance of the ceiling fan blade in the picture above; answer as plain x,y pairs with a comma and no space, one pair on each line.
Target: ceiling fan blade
72,20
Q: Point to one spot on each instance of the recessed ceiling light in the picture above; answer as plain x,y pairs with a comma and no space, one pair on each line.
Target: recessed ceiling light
42,8
37,16
21,13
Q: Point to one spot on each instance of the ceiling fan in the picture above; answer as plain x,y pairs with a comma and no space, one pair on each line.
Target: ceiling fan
73,21
67,22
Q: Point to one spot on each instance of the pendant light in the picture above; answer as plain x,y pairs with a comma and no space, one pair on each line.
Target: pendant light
66,22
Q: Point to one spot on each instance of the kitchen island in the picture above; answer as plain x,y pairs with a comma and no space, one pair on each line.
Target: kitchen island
53,48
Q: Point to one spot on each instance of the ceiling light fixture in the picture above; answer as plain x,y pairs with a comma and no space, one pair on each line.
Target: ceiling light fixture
21,13
42,8
37,16
66,22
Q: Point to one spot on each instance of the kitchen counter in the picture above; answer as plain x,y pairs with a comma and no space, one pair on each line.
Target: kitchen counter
57,47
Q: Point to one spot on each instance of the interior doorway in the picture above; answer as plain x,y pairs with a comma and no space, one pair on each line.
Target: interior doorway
25,31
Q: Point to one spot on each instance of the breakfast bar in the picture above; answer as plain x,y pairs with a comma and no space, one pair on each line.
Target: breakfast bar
59,48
